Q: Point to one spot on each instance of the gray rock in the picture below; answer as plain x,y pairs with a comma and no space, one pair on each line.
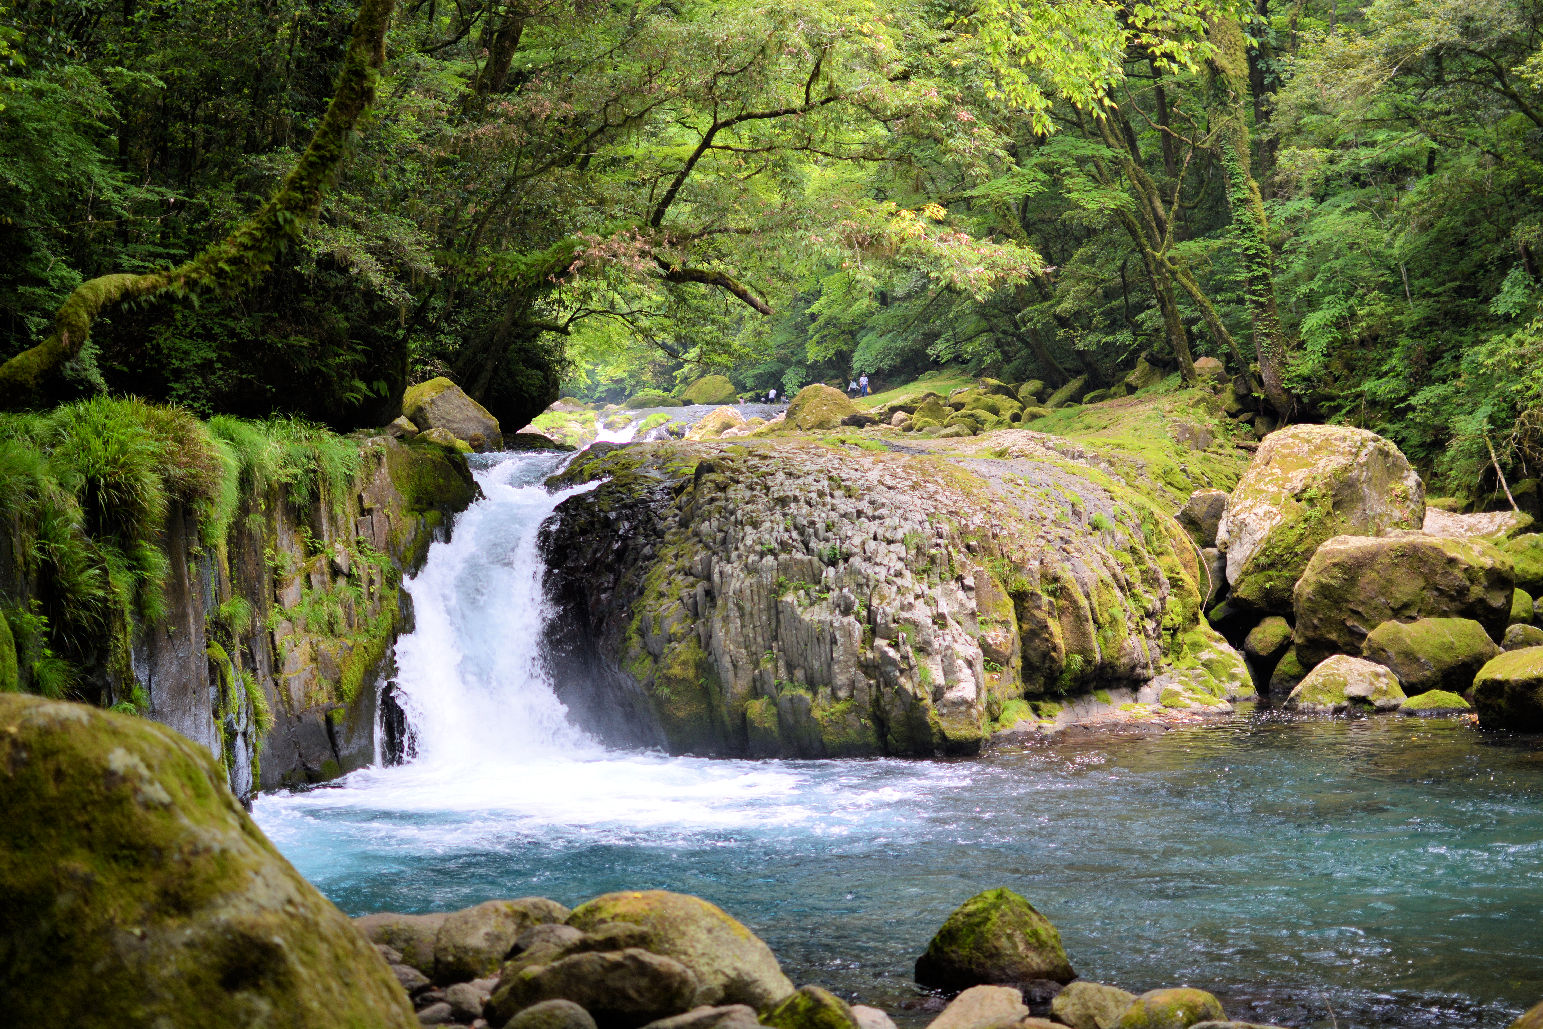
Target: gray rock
563,937
620,989
411,979
1519,637
475,941
412,936
466,1000
729,1016
1085,1005
552,1014
1341,682
1202,514
981,1007
436,1014
401,427
441,404
1233,1025
871,1018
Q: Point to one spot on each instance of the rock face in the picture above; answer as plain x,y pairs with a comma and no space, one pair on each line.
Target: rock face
138,892
1308,483
1508,692
441,404
1431,653
1341,683
711,389
730,965
819,407
1355,583
994,937
1201,515
784,597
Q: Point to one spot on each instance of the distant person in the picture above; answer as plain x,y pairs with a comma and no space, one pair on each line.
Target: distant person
862,383
771,395
852,388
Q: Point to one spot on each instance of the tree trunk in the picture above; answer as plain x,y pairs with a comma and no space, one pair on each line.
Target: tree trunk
243,256
1229,84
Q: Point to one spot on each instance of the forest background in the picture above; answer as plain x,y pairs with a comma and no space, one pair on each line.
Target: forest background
1342,202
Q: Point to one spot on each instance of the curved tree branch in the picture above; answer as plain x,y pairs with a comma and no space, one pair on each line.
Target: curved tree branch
250,249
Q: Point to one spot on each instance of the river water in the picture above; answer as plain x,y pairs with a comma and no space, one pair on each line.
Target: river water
1377,873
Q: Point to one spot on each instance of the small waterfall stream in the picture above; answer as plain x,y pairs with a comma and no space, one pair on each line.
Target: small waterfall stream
1387,870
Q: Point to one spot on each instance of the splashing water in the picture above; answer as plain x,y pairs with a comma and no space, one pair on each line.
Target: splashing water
1387,870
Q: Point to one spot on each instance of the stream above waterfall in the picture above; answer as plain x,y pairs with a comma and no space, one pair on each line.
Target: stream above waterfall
1377,873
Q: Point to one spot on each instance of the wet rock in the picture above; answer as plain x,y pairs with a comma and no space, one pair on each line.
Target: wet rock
1431,653
811,1008
981,1007
1518,637
552,1014
1287,674
1434,704
474,942
994,937
622,989
1355,583
1085,1005
466,1000
1521,608
729,1016
152,898
1341,682
1508,692
728,962
1306,484
436,1014
441,404
1201,515
1179,1008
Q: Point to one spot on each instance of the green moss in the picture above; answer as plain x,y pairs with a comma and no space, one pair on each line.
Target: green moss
1013,712
810,1008
996,936
1435,700
710,389
10,676
1171,1009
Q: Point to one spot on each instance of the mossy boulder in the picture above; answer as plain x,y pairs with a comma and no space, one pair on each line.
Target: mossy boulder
994,937
819,407
473,943
441,404
1267,641
1355,583
716,422
1068,394
1144,375
648,398
1031,390
1508,691
731,965
1431,653
1178,1008
10,680
1435,703
811,1008
1526,554
710,389
1521,607
1306,484
1518,637
1209,371
1288,671
412,936
1341,683
552,1014
1085,1005
138,892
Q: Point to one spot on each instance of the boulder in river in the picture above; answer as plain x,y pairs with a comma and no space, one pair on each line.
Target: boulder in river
731,965
715,423
552,1014
1355,583
1340,683
1267,641
994,937
1178,1008
1085,1005
1431,653
412,936
621,989
1306,484
1508,692
811,1008
726,1016
1435,703
441,404
139,892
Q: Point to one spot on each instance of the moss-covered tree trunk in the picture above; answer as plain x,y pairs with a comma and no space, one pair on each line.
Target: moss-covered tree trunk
243,256
1230,89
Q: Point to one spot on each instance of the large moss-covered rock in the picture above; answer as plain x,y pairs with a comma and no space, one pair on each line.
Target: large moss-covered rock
1202,514
1526,554
1355,583
716,423
1085,1005
994,937
1178,1008
819,407
731,965
1068,394
1288,671
1519,637
1341,683
811,1008
441,404
710,389
412,936
1431,653
1306,484
1508,691
1267,641
648,398
1435,703
1521,608
139,893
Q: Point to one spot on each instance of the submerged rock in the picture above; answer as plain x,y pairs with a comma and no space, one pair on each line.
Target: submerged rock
1178,1008
994,937
1342,682
441,404
1306,484
1355,583
1431,653
1085,1005
1508,692
729,963
139,892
